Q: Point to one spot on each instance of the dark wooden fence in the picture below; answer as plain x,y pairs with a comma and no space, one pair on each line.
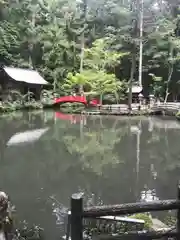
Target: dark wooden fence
78,213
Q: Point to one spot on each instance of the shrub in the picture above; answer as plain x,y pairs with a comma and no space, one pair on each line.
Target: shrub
144,216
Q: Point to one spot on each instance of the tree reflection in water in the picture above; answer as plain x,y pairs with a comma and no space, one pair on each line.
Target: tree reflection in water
115,158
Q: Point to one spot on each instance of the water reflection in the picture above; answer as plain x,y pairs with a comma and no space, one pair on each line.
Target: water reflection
110,159
26,137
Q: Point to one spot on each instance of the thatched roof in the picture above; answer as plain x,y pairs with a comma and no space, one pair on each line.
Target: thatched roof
25,75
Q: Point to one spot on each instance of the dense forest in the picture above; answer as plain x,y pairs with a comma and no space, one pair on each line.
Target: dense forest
96,45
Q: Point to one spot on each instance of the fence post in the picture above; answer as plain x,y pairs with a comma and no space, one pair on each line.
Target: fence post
68,229
76,216
178,213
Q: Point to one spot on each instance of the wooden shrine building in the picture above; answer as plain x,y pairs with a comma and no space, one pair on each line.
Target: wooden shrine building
21,80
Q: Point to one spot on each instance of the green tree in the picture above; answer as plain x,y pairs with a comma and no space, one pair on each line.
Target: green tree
102,83
73,81
101,57
61,36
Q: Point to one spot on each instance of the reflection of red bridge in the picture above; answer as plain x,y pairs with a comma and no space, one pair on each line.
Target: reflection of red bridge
71,117
76,99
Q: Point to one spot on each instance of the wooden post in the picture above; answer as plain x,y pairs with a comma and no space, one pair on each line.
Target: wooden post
68,226
76,216
178,213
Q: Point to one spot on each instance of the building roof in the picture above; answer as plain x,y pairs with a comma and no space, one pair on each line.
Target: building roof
136,89
25,75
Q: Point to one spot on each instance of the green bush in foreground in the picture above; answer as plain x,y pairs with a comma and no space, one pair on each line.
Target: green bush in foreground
178,114
29,233
144,216
170,220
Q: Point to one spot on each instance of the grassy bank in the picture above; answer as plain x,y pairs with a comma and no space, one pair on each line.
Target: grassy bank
6,107
10,107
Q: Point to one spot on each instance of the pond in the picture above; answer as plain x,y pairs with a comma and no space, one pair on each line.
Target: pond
47,156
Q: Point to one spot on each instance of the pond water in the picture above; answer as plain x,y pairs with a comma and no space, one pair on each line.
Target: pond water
47,156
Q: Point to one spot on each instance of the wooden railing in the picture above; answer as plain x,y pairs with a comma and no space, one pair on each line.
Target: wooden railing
170,106
78,213
123,107
166,106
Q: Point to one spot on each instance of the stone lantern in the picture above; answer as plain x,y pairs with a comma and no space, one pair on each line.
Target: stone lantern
141,98
151,99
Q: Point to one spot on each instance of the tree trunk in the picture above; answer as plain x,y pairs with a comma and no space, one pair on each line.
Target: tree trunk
82,53
171,68
134,34
101,97
133,67
81,61
117,97
140,40
168,81
31,44
83,43
54,82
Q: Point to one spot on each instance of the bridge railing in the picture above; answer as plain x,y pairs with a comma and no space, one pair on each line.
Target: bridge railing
175,106
78,213
137,107
123,107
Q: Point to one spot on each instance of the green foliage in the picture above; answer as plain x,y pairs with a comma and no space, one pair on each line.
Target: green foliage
56,36
10,107
33,105
109,99
156,85
102,82
17,101
95,77
98,82
147,219
73,81
29,233
72,107
178,115
47,97
170,220
101,56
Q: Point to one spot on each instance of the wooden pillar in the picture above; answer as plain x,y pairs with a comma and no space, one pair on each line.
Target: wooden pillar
76,216
68,226
178,212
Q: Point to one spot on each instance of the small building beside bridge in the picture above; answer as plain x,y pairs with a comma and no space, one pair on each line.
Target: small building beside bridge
21,80
137,91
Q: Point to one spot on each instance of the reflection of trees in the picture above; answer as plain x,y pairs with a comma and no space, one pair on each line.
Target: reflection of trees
102,152
160,154
96,148
99,158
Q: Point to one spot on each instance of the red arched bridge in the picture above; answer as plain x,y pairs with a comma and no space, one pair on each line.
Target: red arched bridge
75,99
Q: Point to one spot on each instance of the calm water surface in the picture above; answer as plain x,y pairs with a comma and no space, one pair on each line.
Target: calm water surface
47,156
